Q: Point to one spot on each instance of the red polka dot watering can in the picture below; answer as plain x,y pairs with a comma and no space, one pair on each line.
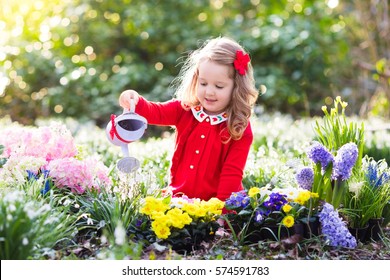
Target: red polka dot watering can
121,131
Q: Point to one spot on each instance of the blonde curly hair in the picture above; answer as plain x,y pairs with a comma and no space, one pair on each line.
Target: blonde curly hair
221,50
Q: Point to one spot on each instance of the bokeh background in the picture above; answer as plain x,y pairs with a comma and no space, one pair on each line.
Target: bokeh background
72,58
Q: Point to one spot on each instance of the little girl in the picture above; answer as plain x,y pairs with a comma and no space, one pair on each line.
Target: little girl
211,115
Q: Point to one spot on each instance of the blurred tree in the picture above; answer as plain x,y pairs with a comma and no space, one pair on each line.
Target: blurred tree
73,58
369,34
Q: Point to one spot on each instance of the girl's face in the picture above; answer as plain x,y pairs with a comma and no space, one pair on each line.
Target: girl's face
215,87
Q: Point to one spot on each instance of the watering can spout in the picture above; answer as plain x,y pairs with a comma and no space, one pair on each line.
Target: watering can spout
125,150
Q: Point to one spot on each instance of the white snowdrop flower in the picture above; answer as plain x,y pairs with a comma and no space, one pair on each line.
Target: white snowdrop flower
30,210
89,221
120,234
45,208
67,202
11,207
14,196
103,239
355,187
50,220
25,241
102,224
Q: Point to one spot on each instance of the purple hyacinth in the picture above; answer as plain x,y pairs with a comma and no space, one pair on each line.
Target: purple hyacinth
305,178
334,228
319,154
344,161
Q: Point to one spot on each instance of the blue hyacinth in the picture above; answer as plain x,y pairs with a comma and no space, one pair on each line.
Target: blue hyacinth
31,176
344,161
319,154
305,178
334,228
375,176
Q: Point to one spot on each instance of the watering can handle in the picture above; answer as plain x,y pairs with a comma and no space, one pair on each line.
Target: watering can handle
132,107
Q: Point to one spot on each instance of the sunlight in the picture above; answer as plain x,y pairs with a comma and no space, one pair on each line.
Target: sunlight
333,3
25,16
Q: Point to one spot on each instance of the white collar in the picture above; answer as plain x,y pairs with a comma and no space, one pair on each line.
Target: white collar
200,115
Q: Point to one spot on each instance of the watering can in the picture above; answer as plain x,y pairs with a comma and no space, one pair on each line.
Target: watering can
124,129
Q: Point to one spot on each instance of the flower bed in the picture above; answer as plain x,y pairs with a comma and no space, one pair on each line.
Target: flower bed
292,187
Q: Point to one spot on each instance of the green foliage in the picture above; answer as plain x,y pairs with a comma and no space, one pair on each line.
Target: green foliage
101,225
369,193
28,227
2,160
73,58
105,210
334,131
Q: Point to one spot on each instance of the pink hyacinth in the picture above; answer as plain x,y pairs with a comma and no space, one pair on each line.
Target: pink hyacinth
78,175
49,142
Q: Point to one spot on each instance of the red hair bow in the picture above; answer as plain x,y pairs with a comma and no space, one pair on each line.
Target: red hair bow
241,62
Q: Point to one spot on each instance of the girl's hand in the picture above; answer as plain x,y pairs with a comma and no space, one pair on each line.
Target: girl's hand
126,96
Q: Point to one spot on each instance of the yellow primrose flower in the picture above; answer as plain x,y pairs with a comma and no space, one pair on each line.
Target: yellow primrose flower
253,191
303,196
200,212
190,208
288,221
217,202
185,219
161,221
152,204
157,215
215,211
286,208
146,209
160,206
174,212
177,218
213,206
161,231
314,195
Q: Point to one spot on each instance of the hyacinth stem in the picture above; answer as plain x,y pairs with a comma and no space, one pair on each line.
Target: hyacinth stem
317,179
338,193
322,183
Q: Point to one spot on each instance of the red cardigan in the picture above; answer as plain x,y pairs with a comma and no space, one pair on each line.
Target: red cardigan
202,166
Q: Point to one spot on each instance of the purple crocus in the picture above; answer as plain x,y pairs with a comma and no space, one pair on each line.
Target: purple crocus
319,154
334,228
305,178
344,161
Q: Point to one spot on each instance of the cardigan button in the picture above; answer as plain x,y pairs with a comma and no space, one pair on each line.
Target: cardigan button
191,166
202,136
197,151
207,120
